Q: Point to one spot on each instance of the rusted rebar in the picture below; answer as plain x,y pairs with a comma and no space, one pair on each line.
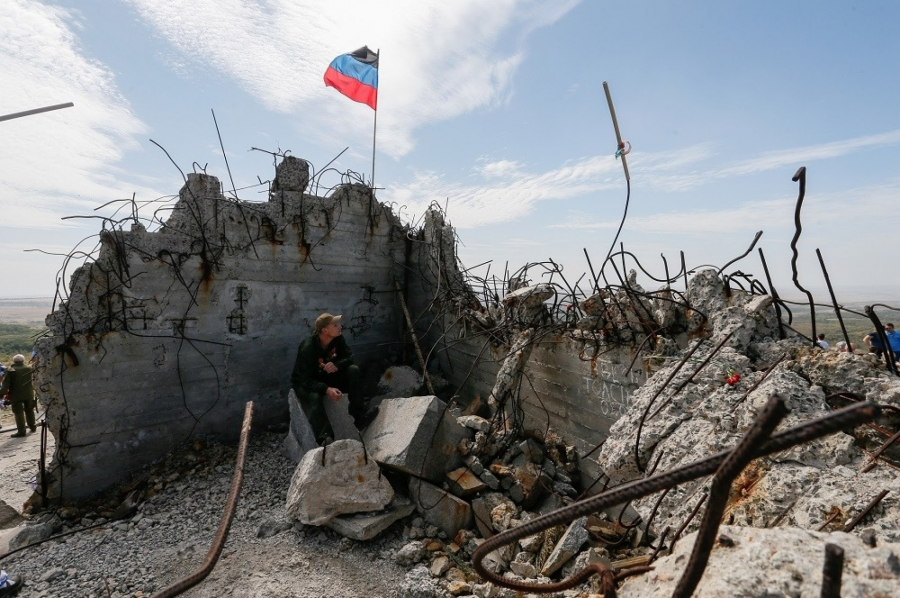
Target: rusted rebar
215,550
798,228
873,459
770,416
832,517
662,387
700,367
855,521
687,521
837,309
856,414
832,571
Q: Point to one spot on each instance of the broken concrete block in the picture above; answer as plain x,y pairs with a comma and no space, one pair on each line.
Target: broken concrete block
292,174
481,509
300,437
399,381
479,424
490,480
338,413
464,483
365,526
567,547
532,450
534,483
439,566
31,534
440,508
525,570
336,480
415,436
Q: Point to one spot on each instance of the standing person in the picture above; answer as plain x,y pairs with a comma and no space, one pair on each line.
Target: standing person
21,394
822,342
324,369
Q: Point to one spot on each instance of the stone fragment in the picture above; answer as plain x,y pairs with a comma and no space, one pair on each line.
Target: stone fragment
532,543
464,483
567,547
439,566
365,526
439,507
30,534
292,174
9,517
479,424
347,482
474,465
399,381
458,588
532,450
481,510
502,515
411,553
415,436
523,569
489,479
534,483
338,413
300,437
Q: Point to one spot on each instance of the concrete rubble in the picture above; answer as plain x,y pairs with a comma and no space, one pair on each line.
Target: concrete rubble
336,480
533,408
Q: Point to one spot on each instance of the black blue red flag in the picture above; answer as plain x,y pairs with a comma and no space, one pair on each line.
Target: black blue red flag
356,76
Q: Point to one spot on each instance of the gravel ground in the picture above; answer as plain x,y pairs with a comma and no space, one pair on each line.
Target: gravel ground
170,533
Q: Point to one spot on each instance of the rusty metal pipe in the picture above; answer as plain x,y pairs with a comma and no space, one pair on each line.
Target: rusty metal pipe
218,544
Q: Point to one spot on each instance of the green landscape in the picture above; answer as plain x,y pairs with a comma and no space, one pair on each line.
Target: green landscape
857,324
17,338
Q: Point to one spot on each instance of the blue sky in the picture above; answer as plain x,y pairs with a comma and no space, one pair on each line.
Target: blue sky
494,108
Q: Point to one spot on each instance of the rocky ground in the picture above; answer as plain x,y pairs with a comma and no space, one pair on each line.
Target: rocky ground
170,532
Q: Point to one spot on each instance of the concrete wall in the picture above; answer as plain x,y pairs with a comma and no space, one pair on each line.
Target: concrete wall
168,333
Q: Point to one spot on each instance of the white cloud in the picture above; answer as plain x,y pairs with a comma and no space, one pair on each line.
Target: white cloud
770,215
499,169
438,59
60,161
802,155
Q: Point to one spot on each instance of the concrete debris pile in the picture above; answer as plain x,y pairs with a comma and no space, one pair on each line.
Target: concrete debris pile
715,364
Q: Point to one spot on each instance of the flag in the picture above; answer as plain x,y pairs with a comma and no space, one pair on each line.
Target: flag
356,76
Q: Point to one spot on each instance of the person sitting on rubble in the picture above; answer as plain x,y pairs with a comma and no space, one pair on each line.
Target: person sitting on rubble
21,394
893,339
842,347
323,369
822,342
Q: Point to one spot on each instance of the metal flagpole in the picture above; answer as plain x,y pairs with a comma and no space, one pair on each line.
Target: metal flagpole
375,125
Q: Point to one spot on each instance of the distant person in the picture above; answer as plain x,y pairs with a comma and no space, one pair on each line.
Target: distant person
841,347
893,339
324,369
21,394
822,342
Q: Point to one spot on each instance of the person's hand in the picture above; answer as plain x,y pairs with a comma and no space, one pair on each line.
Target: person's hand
334,394
329,367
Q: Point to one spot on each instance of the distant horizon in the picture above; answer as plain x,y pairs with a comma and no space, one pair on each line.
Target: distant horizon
847,294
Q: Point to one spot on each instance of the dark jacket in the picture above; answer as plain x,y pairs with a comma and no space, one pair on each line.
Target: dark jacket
18,383
308,375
